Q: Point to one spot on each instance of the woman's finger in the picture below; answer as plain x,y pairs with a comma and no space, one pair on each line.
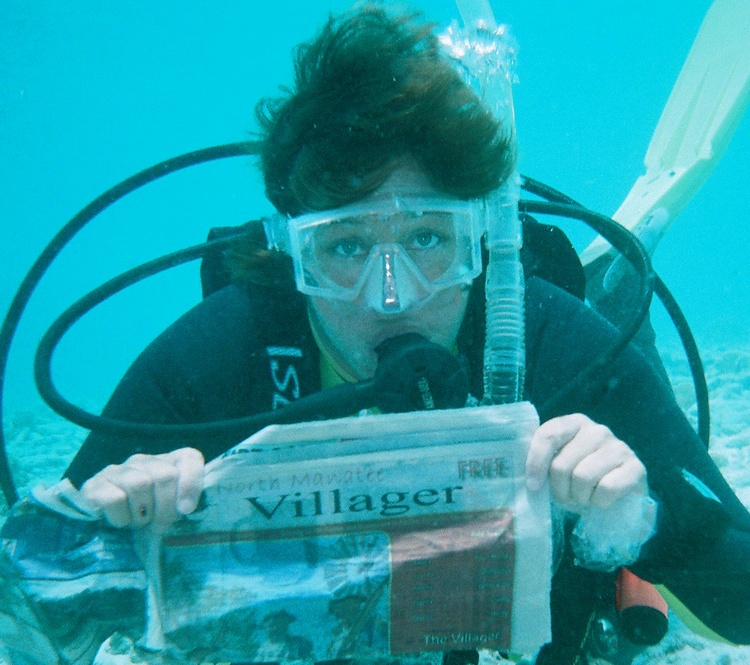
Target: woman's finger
586,464
160,479
190,464
584,479
148,489
571,472
628,478
545,444
123,493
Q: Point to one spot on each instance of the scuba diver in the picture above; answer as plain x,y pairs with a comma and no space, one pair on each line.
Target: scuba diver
380,162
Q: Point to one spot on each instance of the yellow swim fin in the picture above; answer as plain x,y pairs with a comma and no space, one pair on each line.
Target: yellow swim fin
701,114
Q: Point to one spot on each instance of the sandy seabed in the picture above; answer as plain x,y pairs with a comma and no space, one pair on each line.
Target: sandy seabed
40,446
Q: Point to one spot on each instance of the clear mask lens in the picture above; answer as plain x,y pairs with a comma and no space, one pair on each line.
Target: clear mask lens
394,255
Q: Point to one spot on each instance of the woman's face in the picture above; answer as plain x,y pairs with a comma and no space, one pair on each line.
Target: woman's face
350,331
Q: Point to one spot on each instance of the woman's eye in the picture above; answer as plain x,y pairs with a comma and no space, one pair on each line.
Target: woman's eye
425,240
348,248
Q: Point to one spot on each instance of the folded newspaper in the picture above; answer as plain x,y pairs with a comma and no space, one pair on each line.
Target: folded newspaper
355,538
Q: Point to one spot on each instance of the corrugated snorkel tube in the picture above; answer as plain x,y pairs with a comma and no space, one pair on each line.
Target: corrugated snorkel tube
485,53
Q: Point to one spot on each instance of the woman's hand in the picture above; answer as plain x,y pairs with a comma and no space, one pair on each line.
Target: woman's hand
148,489
586,464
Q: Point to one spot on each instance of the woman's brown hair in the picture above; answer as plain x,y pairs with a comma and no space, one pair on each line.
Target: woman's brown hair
371,91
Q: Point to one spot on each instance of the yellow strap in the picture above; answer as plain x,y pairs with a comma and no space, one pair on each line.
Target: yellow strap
688,618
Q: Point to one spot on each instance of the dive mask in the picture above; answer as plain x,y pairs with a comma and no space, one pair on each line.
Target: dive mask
393,252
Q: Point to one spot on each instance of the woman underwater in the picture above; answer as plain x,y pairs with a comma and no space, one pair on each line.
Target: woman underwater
379,122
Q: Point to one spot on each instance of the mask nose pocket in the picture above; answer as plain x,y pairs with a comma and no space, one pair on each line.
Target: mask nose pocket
392,282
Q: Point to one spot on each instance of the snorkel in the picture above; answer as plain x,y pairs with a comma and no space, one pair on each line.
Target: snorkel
484,54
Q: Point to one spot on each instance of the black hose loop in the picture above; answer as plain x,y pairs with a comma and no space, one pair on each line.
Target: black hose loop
695,363
632,249
61,325
63,237
661,291
546,191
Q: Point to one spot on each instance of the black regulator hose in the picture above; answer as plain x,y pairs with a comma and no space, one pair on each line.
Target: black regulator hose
671,306
404,364
63,237
412,374
546,192
697,372
347,399
590,379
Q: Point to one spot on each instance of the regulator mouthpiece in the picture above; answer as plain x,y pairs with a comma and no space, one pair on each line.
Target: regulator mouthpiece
414,374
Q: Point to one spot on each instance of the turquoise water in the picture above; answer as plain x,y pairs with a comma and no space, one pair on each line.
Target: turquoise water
90,94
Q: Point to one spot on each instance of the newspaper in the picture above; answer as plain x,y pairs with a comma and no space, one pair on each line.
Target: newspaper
364,537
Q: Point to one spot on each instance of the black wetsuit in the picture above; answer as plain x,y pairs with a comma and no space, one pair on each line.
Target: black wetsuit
248,349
